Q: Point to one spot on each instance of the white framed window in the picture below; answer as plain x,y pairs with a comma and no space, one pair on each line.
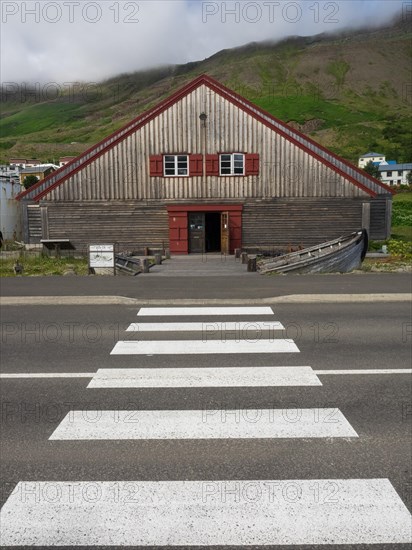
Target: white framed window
232,164
176,165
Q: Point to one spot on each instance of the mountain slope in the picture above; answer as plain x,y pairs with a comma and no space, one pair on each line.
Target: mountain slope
351,92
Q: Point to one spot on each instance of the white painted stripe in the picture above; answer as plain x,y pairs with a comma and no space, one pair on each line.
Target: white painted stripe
169,311
24,375
203,424
205,513
196,347
241,328
365,371
204,377
47,375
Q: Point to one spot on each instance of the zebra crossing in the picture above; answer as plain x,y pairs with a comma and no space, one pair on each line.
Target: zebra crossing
206,512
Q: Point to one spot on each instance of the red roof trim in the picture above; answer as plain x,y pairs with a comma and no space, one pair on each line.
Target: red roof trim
157,107
258,117
227,92
231,96
147,115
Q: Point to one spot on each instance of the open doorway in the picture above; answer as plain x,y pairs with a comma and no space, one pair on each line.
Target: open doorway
212,226
188,233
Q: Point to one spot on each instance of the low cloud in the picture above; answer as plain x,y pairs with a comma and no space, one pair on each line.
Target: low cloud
71,40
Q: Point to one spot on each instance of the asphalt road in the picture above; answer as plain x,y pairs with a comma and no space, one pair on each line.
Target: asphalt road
248,286
48,339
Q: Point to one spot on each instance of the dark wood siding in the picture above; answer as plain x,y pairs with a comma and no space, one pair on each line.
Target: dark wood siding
381,212
34,224
265,224
306,222
131,224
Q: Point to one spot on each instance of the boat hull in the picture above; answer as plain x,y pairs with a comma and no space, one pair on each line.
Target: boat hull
340,256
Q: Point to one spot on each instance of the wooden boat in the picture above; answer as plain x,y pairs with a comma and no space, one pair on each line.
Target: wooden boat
340,255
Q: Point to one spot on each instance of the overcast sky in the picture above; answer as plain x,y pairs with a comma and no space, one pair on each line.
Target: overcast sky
71,40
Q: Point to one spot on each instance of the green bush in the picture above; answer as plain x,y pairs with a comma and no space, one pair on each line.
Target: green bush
400,248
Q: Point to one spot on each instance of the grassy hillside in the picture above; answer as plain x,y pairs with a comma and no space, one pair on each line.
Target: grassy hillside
349,92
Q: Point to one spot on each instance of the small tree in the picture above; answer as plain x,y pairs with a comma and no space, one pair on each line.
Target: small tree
373,170
409,178
29,181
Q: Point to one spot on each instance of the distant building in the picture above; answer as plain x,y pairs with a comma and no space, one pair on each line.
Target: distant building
65,160
395,174
368,157
9,173
24,163
40,171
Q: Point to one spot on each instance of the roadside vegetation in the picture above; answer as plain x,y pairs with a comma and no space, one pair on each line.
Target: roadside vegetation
43,265
399,246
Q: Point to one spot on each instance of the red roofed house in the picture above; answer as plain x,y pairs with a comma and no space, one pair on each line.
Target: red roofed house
205,170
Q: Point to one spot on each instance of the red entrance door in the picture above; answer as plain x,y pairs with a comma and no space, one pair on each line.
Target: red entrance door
178,225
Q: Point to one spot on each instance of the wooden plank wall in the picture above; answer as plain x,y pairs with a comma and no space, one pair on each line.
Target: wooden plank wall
137,224
130,223
295,222
286,170
34,224
381,217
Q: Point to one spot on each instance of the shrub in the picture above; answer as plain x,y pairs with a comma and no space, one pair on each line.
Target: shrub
400,248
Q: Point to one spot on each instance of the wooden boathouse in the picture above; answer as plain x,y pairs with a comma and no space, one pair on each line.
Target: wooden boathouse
205,170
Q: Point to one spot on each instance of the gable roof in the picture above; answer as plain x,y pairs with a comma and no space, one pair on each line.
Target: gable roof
41,168
352,173
367,155
393,167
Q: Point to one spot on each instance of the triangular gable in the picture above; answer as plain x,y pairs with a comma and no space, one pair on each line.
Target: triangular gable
350,172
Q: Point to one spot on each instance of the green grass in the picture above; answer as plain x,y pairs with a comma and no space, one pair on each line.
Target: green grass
300,108
401,233
36,118
43,265
402,214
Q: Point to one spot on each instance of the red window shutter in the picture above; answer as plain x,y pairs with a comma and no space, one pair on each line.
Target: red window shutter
212,165
252,165
156,165
196,165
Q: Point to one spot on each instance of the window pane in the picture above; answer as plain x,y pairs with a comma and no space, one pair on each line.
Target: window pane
182,165
225,165
238,164
169,165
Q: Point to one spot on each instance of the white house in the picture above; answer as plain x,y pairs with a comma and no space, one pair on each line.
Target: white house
368,157
395,174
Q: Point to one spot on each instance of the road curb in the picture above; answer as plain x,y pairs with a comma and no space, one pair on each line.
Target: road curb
123,300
